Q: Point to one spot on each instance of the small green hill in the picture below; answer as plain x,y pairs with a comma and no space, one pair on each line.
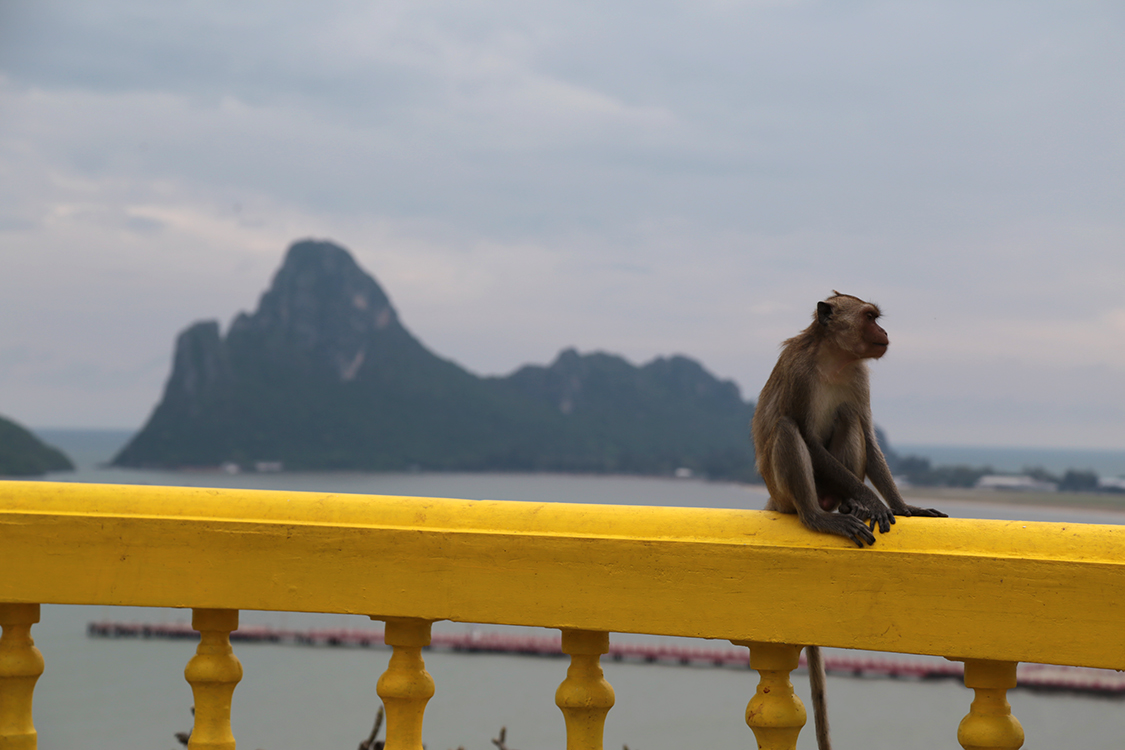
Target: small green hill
323,375
24,455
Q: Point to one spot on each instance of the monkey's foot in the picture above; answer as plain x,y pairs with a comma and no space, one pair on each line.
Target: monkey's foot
927,512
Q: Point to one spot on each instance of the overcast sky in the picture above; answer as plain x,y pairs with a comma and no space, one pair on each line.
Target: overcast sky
645,178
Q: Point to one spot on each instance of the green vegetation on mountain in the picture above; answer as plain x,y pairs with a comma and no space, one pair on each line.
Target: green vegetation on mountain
324,376
24,455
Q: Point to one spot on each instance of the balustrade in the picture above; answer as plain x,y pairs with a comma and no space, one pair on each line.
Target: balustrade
584,696
406,686
775,714
989,724
20,667
754,578
213,673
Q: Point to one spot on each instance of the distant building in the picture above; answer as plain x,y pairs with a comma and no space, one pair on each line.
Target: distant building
1015,482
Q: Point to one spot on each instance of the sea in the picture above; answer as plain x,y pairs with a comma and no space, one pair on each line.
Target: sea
131,694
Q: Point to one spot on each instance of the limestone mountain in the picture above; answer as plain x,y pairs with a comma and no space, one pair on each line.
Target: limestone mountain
323,375
24,455
668,414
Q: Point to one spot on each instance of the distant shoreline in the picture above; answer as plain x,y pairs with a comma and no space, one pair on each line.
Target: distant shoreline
1106,462
1104,501
91,448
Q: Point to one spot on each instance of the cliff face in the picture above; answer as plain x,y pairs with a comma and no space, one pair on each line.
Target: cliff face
24,455
200,367
323,375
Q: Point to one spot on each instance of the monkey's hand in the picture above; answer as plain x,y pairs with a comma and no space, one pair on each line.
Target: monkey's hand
874,513
845,525
926,512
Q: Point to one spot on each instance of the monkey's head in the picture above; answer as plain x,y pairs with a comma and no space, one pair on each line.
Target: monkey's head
852,325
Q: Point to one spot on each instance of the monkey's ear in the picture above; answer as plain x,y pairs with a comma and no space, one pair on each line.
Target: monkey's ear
823,313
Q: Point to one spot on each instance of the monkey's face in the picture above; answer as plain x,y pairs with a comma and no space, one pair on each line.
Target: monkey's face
874,337
854,325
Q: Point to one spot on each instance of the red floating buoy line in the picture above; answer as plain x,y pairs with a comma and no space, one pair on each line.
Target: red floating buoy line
1044,677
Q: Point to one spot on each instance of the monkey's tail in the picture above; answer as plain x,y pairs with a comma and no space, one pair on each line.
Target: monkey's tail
820,704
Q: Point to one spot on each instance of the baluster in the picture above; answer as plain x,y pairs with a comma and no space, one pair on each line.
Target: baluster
584,696
775,713
989,724
213,674
20,666
406,686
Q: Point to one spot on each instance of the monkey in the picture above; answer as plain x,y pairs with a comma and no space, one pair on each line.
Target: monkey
814,440
812,429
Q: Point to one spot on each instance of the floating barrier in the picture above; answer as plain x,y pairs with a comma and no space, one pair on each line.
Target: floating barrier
1042,677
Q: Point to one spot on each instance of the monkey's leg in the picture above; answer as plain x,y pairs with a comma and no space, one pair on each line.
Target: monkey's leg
845,447
848,445
795,491
862,500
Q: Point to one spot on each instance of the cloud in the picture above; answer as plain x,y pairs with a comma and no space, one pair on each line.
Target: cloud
642,178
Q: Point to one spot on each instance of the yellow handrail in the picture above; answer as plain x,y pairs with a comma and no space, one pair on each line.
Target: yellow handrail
991,591
1008,590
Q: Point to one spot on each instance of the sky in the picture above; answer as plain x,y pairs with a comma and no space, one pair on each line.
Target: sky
644,178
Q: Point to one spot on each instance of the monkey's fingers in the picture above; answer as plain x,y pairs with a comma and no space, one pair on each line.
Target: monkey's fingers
858,532
880,516
927,512
864,539
883,524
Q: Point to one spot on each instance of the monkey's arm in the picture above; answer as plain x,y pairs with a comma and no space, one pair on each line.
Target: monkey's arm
865,503
790,477
881,477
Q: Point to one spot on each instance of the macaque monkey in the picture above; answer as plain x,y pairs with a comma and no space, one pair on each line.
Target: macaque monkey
813,434
815,441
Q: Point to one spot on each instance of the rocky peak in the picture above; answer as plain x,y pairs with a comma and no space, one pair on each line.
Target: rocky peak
687,378
323,305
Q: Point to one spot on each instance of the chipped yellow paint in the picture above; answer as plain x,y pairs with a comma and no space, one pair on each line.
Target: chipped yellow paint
970,589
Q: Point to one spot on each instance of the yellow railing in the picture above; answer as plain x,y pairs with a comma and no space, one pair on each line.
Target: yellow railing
990,593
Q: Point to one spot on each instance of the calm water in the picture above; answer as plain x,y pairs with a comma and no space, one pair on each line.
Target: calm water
131,695
88,447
